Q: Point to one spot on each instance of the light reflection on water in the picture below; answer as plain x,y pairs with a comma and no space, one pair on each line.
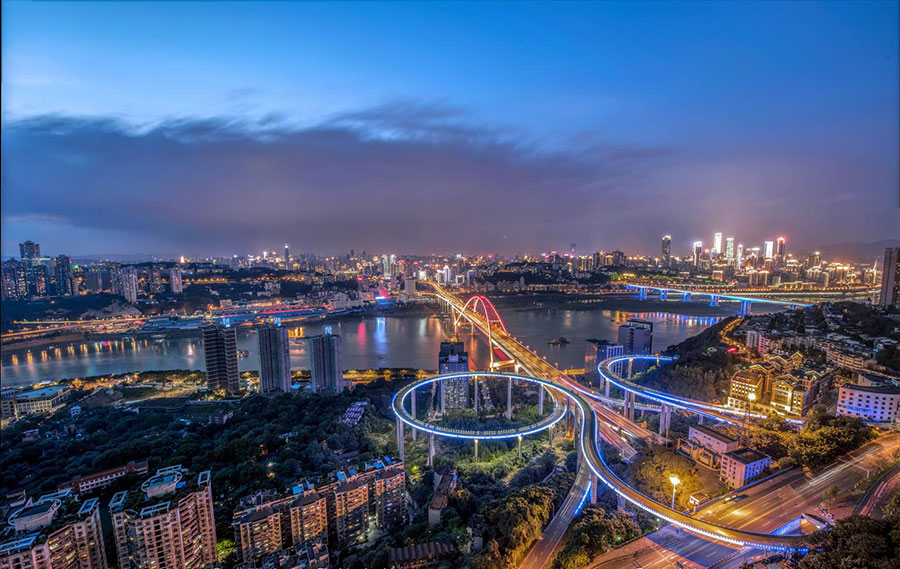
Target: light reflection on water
369,342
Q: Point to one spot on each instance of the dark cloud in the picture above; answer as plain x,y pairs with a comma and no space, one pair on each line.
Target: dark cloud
401,177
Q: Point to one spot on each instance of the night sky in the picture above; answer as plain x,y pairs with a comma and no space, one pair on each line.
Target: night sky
225,128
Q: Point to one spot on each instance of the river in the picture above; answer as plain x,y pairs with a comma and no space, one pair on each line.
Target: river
369,342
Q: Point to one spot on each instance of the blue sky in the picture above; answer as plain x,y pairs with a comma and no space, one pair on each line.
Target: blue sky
753,118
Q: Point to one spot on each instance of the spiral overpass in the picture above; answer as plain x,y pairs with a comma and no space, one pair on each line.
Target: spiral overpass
398,403
588,430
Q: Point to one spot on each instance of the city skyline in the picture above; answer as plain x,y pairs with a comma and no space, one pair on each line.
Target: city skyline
520,144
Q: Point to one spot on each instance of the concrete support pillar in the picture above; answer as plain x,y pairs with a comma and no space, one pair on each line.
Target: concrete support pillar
686,297
642,293
413,412
509,398
400,440
594,483
430,462
476,450
714,300
700,422
665,415
664,295
443,408
520,446
606,387
630,368
541,400
475,399
745,307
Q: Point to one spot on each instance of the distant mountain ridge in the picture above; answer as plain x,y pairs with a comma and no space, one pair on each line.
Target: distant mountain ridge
858,251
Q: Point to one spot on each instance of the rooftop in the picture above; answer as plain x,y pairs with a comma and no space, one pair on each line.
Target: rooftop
881,390
747,455
712,433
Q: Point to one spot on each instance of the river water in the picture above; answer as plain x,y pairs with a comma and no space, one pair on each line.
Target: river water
369,342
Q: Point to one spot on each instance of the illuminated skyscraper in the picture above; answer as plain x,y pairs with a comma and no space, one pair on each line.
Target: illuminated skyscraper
287,256
30,250
171,527
779,252
666,249
55,532
65,280
890,284
220,353
739,259
454,392
274,360
729,250
717,244
636,337
769,249
130,284
176,285
697,252
327,358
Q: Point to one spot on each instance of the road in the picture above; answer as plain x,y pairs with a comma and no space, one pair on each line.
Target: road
541,553
767,507
587,441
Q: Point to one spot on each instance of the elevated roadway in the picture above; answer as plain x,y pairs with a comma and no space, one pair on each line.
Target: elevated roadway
589,431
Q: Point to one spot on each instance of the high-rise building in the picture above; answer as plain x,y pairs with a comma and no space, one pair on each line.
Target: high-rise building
130,284
697,252
780,254
636,337
666,249
729,250
15,286
327,359
55,532
267,522
813,260
351,512
595,352
890,284
390,496
176,285
454,392
170,526
274,360
94,280
29,250
769,247
739,258
220,353
287,257
717,244
65,279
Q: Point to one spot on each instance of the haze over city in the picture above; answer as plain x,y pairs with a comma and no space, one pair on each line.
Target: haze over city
185,130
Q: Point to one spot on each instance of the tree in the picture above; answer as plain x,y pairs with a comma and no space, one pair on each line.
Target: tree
856,542
830,494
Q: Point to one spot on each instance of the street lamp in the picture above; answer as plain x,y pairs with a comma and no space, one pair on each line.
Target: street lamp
674,480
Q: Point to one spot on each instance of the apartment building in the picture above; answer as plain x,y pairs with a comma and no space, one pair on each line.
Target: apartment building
343,509
266,522
169,524
56,532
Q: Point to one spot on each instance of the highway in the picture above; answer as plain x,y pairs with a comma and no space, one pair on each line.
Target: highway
589,430
767,507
